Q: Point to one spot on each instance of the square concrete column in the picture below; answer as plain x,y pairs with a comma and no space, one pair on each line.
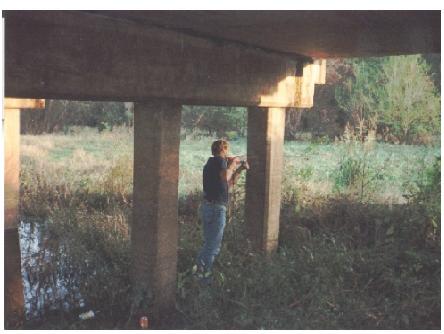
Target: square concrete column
154,230
265,143
14,299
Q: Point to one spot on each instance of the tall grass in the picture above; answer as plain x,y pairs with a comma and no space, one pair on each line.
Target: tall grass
89,160
343,262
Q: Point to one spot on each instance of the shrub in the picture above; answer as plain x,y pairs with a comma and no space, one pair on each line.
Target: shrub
356,172
392,94
60,115
118,179
215,120
342,263
426,193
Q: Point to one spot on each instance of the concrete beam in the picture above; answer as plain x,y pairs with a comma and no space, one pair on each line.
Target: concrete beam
314,73
319,71
154,229
77,55
316,33
297,90
265,142
10,103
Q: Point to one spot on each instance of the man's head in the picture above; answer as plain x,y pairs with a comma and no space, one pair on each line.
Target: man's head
219,147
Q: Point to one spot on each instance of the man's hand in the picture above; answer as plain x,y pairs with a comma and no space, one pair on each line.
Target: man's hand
233,162
235,166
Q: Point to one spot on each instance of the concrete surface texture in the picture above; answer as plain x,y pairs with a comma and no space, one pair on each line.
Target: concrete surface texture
154,228
312,33
265,143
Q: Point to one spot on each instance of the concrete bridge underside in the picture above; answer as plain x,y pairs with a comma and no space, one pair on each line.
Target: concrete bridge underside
266,61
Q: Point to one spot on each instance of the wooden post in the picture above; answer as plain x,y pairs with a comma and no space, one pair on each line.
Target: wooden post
265,142
154,231
14,299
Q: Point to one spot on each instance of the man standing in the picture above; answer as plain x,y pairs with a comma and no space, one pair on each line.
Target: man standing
219,173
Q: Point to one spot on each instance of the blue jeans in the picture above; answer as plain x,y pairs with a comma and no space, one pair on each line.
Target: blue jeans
213,217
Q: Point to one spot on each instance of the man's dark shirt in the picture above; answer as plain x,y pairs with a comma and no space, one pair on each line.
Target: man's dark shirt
215,189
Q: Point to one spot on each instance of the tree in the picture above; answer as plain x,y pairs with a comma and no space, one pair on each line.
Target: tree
433,61
394,95
412,105
215,120
61,114
360,95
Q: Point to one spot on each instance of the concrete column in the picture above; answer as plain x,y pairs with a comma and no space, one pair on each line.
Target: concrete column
265,142
154,230
14,300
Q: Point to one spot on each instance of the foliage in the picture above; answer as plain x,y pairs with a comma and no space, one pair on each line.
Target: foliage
394,95
357,172
412,106
215,120
433,61
426,191
293,118
362,94
61,115
341,263
118,179
354,272
96,162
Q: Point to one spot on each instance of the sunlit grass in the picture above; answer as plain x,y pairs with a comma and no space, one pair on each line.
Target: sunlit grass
85,156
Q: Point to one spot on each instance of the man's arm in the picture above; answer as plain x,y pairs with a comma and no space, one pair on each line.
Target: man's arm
235,177
227,174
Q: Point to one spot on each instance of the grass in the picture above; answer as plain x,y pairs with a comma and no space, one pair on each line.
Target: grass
345,261
87,157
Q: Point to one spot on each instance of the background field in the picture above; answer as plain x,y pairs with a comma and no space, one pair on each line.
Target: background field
86,158
359,240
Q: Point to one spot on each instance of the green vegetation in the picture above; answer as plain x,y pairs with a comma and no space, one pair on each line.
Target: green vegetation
104,161
394,96
412,107
222,121
359,241
62,115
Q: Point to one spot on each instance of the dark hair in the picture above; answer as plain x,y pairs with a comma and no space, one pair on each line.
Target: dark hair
218,146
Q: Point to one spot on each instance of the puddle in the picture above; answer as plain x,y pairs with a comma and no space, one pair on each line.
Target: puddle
45,282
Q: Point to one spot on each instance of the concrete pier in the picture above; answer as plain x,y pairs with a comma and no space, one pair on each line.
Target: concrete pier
154,229
265,142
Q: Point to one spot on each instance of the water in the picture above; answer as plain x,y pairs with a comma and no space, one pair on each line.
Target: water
45,282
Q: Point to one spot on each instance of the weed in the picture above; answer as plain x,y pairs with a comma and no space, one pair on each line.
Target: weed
342,262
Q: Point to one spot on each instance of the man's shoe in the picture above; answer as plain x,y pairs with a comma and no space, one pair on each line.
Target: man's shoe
197,271
204,277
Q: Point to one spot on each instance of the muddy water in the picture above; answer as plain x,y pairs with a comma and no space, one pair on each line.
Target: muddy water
45,283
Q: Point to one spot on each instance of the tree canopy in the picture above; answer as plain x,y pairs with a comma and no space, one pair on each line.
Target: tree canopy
393,95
